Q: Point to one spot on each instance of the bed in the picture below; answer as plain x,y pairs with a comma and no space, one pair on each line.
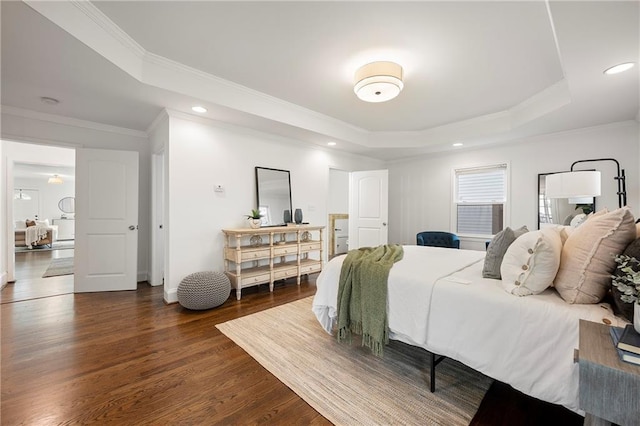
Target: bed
438,300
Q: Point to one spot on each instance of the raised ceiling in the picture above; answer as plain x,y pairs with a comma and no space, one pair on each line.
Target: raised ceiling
476,72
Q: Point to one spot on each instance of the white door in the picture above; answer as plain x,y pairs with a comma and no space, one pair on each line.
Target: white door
368,208
106,247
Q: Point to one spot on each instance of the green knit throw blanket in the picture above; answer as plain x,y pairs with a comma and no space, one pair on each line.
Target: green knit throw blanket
362,295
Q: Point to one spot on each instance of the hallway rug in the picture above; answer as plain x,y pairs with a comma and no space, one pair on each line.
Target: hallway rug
61,266
347,384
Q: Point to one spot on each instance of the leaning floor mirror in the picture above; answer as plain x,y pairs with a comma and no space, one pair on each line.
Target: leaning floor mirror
561,211
274,195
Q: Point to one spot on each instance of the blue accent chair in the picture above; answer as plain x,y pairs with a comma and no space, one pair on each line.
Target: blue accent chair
438,239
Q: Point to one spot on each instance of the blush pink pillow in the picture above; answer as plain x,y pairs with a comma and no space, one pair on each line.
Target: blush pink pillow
587,260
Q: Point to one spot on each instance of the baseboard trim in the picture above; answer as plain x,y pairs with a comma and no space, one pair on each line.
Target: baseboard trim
171,296
3,280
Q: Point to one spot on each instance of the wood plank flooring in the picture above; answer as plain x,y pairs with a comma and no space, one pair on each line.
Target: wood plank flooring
128,358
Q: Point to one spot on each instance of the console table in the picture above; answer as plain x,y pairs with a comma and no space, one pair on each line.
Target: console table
264,255
609,387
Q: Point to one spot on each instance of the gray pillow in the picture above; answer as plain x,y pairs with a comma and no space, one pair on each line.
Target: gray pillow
496,250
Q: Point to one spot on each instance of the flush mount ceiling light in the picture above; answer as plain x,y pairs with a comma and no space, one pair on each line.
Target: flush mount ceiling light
458,144
55,179
619,68
199,109
378,81
331,143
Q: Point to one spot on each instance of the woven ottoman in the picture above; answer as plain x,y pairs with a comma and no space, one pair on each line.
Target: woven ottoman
203,290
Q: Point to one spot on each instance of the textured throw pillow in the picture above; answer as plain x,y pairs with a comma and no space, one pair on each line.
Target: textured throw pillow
531,262
496,250
30,223
587,260
623,308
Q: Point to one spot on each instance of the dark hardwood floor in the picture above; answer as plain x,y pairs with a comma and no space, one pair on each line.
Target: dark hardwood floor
128,358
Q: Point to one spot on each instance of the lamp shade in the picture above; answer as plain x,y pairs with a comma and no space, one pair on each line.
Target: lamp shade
576,184
378,81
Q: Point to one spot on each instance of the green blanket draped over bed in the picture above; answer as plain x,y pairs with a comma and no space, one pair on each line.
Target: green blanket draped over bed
362,295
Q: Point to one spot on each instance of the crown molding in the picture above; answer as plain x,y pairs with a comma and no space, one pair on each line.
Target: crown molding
68,121
103,21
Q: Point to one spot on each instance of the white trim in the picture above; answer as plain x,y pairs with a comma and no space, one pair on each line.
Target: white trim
58,119
171,295
104,22
3,280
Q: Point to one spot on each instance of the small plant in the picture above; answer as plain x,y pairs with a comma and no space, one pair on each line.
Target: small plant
629,283
255,214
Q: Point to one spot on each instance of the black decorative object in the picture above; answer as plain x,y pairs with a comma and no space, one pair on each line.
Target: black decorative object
298,216
287,216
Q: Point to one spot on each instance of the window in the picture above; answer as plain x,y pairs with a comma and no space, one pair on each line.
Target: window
480,196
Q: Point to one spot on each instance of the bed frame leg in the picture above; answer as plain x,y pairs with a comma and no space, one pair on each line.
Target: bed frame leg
435,360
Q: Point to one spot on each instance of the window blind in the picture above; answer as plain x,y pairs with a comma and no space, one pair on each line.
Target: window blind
480,195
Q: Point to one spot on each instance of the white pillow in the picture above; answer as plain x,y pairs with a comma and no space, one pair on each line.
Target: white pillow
20,225
42,222
531,262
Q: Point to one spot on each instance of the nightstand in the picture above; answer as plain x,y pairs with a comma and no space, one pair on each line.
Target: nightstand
609,388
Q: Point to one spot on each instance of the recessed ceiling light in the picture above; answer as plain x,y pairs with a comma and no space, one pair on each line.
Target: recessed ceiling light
619,68
331,143
49,101
199,109
458,144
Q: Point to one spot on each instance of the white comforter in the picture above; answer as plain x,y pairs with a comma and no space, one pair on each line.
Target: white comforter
438,300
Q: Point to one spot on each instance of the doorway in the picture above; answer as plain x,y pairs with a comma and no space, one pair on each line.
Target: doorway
338,208
40,189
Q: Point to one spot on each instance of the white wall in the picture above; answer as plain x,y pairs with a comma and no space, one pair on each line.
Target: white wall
202,154
49,130
338,201
49,195
420,190
3,224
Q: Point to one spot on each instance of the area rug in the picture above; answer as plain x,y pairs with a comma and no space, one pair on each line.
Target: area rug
348,385
61,266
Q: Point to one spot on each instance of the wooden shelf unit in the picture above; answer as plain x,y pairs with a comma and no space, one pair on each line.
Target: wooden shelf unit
275,253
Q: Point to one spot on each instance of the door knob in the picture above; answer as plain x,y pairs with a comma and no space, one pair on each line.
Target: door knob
384,223
131,227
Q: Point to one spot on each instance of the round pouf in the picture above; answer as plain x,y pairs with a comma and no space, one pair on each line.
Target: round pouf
204,290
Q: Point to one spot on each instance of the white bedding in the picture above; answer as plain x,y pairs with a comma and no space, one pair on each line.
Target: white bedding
527,342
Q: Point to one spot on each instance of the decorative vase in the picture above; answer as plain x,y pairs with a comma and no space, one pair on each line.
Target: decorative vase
254,223
297,215
636,316
287,216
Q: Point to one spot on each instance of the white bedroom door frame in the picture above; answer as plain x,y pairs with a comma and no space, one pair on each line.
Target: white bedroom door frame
106,252
157,220
368,208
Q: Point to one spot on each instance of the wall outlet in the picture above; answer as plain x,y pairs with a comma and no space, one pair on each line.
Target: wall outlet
219,188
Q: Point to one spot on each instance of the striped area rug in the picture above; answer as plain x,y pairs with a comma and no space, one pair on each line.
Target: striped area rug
348,385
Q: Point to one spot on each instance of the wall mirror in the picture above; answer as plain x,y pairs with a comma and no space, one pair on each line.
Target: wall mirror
67,205
561,211
274,195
